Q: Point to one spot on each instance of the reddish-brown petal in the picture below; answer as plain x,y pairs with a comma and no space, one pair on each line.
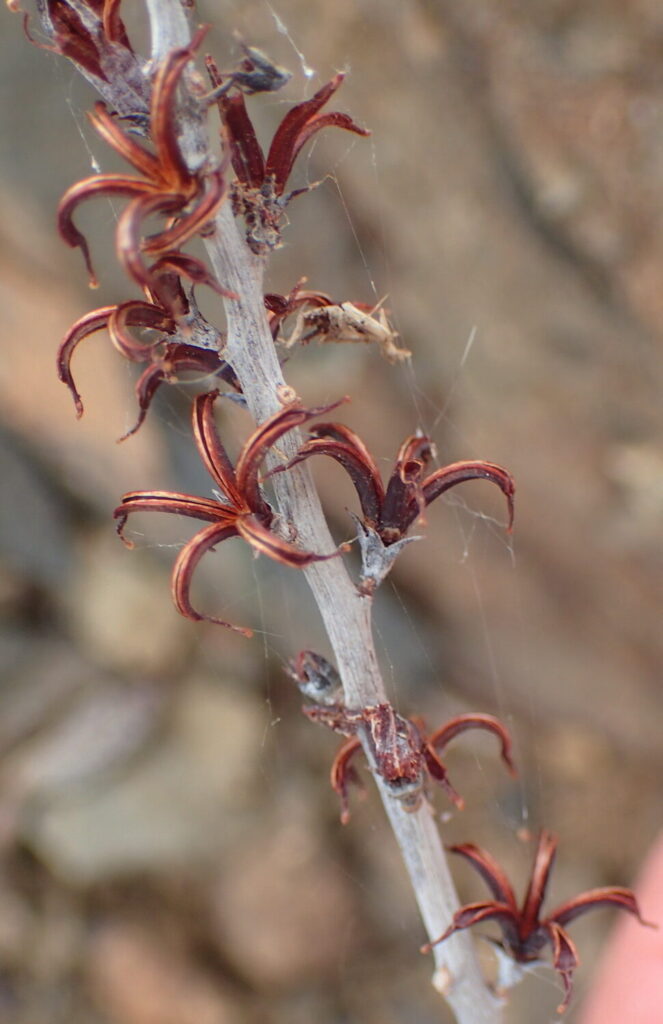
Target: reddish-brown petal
459,472
172,502
267,543
193,222
342,444
108,128
565,960
246,154
262,439
137,314
163,111
490,871
86,325
343,774
212,451
128,238
544,859
288,138
176,359
312,127
185,566
441,737
191,268
89,188
609,896
437,770
113,25
72,38
476,913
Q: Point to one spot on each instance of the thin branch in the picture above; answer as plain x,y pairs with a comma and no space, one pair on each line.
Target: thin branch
346,614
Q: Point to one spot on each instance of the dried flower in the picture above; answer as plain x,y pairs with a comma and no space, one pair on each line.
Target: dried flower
241,510
524,932
259,192
400,749
167,185
169,312
390,511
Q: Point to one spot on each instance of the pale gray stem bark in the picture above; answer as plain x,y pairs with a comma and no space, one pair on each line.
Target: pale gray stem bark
346,614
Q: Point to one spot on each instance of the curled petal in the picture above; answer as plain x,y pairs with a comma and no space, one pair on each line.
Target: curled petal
458,472
176,359
246,153
438,771
191,268
113,25
291,133
544,859
110,131
490,871
609,896
137,314
267,543
262,439
193,222
343,774
565,960
100,184
168,501
86,325
476,913
316,124
129,229
439,739
184,569
163,112
343,445
212,451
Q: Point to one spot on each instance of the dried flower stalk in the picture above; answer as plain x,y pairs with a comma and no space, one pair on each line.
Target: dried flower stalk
181,182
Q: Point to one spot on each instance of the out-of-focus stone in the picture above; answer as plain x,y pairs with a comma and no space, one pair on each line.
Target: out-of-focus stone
122,612
135,978
105,727
183,802
283,908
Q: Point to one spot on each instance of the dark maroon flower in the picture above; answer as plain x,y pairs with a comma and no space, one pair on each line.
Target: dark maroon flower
168,312
83,35
241,511
166,186
524,932
259,192
400,748
389,512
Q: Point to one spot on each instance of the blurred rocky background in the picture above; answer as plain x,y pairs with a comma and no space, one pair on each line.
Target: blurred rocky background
170,850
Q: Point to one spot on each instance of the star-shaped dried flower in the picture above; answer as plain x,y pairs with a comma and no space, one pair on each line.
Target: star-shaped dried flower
167,186
259,192
388,513
240,511
524,931
402,751
170,313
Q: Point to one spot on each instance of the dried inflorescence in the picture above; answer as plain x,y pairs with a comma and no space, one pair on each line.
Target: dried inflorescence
259,190
167,186
525,933
167,312
403,753
388,512
181,186
241,509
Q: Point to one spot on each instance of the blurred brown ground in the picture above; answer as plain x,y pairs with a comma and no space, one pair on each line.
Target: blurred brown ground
170,847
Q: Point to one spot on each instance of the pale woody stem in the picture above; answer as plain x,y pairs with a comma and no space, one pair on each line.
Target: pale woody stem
346,615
